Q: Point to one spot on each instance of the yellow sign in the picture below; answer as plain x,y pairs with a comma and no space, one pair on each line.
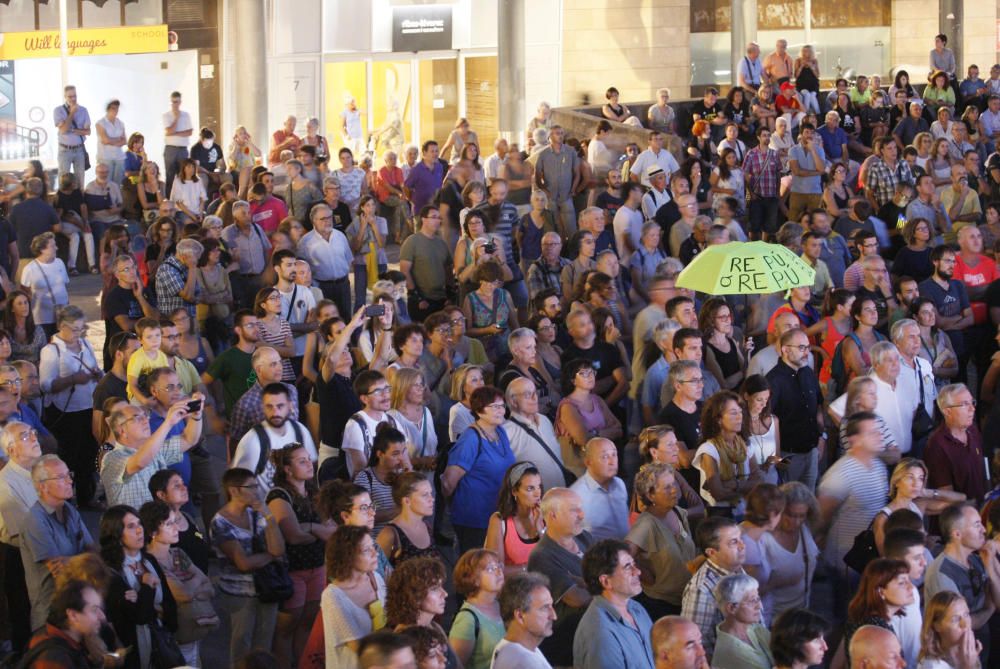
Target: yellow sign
84,42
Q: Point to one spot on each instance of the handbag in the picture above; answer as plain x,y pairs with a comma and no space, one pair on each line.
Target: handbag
922,422
568,476
272,581
165,653
863,550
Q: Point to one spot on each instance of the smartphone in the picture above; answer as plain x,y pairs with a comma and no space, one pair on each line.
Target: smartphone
374,310
785,461
194,406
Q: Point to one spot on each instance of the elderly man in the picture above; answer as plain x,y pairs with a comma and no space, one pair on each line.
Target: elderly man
647,388
493,163
177,278
893,406
328,252
595,219
557,173
655,154
968,566
283,140
720,541
677,644
17,495
603,494
250,248
52,532
657,195
916,376
528,613
954,453
277,431
140,451
248,410
558,555
523,346
532,436
545,272
974,269
927,205
10,382
682,229
778,64
750,74
614,630
72,120
699,239
103,198
961,202
875,648
797,402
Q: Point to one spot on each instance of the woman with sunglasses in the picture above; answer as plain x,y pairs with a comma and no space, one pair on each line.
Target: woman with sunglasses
477,463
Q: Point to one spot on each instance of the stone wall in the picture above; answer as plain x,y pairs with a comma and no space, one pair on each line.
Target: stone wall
914,24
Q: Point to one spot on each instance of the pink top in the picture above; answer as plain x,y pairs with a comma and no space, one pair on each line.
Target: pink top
515,549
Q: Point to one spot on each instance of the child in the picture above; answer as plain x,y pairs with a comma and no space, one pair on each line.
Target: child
145,359
73,216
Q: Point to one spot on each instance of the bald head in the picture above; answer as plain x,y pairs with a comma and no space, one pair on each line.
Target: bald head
875,648
677,644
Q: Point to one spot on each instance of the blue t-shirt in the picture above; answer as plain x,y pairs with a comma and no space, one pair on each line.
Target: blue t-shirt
951,302
485,463
184,466
833,141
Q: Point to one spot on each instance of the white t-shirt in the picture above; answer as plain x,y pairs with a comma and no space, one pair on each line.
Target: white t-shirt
354,438
627,224
907,629
190,193
114,130
183,123
664,159
48,288
512,655
298,313
247,453
708,449
353,122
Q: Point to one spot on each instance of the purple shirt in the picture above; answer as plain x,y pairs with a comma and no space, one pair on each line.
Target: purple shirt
423,182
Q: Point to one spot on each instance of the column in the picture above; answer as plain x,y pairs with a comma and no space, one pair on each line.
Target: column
743,30
951,22
510,57
251,71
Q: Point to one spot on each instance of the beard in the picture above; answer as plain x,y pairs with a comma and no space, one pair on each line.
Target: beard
276,421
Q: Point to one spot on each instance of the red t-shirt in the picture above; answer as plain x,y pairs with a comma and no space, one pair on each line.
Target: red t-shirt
274,155
268,214
783,104
984,273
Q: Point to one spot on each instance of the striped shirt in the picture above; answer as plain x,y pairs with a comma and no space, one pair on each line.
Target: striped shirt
861,490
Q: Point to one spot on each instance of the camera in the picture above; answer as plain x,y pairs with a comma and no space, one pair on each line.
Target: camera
490,247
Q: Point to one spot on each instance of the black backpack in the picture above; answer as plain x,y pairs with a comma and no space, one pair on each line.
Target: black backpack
265,444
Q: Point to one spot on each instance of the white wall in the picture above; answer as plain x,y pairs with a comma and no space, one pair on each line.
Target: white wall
139,81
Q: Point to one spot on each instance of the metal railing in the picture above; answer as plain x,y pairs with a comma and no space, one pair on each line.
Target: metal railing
18,142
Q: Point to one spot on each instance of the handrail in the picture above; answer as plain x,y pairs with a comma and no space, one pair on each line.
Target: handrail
19,142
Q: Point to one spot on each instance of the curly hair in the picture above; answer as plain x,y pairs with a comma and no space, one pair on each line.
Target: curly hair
152,515
706,317
646,478
567,380
408,587
403,333
336,499
423,640
341,550
469,567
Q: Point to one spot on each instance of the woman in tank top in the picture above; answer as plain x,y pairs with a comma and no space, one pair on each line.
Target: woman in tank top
517,525
408,535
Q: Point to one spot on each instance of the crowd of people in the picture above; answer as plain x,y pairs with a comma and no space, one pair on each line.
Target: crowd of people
526,446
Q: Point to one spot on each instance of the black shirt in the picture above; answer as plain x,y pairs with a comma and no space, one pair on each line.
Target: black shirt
602,355
109,386
337,403
341,216
795,396
7,235
878,298
686,425
207,158
609,203
31,218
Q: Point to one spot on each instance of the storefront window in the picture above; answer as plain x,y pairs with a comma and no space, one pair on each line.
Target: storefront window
344,81
48,15
144,12
481,99
18,16
438,98
109,15
392,105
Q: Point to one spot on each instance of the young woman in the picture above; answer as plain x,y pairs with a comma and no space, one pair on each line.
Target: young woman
856,346
470,252
549,354
416,596
138,597
188,193
764,507
838,323
246,536
350,505
790,551
408,343
727,180
150,192
214,311
305,533
354,602
26,338
582,248
478,627
274,330
947,638
367,235
301,194
614,110
490,311
463,382
939,166
582,414
412,416
760,426
907,491
46,281
763,108
599,157
837,196
135,155
193,347
727,472
168,487
242,157
724,355
990,228
798,639
662,540
935,346
189,585
408,535
163,241
737,110
114,243
914,259
457,139
517,525
884,590
806,69
326,313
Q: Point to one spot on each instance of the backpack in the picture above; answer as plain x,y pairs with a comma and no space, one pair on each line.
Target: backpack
265,444
838,368
364,431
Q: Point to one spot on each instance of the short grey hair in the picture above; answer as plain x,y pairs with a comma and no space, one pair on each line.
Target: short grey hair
190,247
664,331
646,478
881,351
831,114
590,211
318,209
332,181
68,314
510,395
798,493
541,136
677,369
947,394
7,438
553,499
210,220
670,267
733,589
519,335
39,469
241,204
663,91
260,353
900,325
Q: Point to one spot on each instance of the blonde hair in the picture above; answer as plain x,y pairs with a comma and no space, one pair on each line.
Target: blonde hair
458,381
404,379
900,470
649,439
934,613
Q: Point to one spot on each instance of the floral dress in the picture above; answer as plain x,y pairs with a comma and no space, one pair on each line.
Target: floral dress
484,316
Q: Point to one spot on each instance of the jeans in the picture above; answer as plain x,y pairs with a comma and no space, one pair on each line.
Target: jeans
74,158
74,233
566,217
116,170
804,468
172,157
251,624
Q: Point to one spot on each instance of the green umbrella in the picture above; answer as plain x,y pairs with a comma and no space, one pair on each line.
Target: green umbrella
740,268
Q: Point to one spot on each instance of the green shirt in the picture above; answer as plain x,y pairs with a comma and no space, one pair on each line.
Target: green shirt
232,368
430,274
486,637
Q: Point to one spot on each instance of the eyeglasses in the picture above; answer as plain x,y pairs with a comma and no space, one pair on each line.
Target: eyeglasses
11,382
587,372
457,321
962,405
697,381
28,435
383,390
274,298
366,508
443,330
497,406
142,416
68,476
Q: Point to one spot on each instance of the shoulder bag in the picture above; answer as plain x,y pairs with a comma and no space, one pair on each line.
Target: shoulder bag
272,581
